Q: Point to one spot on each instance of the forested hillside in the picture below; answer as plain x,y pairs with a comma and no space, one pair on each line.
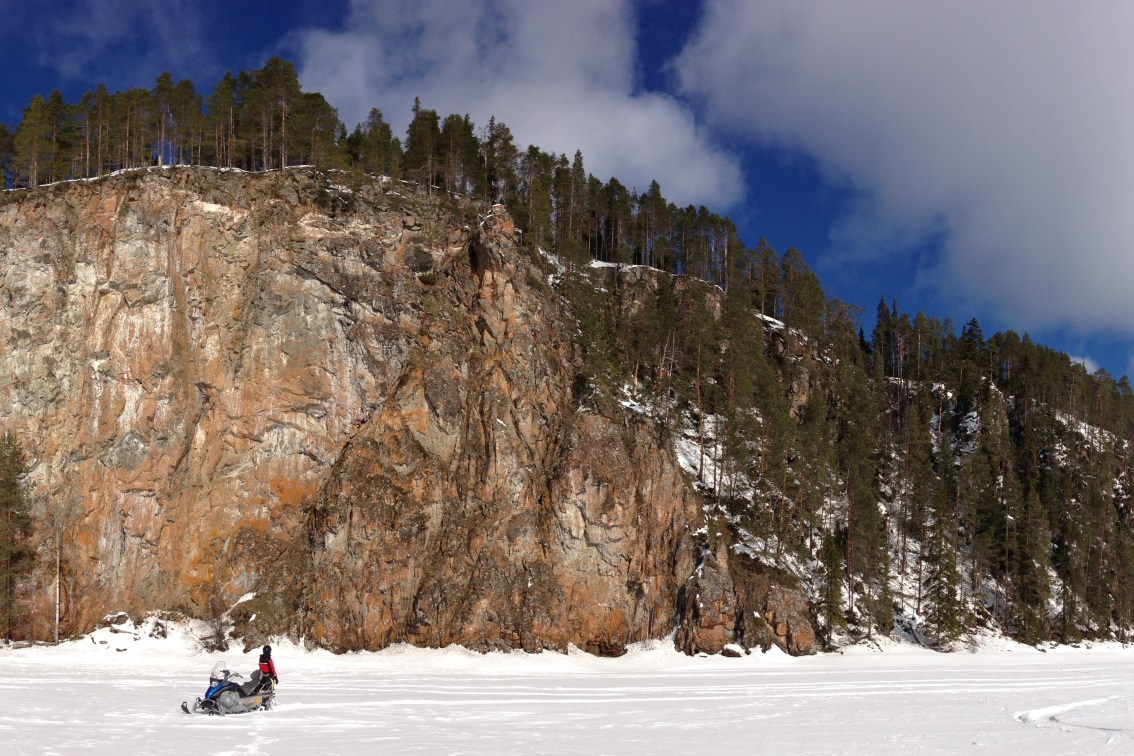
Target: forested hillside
913,475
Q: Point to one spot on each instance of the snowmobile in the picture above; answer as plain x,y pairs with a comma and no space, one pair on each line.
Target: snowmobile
226,696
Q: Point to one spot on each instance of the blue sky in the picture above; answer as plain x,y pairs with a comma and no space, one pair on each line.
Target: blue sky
966,158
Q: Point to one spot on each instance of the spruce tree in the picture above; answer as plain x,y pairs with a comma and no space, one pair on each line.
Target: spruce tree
945,612
829,600
423,140
857,412
814,466
881,341
500,156
16,555
1030,581
651,218
915,483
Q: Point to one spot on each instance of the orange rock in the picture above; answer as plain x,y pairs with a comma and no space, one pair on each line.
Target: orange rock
226,391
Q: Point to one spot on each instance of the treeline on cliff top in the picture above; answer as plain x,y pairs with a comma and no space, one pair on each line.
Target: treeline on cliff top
262,120
1001,467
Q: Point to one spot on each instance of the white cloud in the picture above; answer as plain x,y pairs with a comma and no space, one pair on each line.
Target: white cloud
1004,126
1087,362
561,75
87,42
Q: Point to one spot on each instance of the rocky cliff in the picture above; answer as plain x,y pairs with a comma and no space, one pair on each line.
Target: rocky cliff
353,400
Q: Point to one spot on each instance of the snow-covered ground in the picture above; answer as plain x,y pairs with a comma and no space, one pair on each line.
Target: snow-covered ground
90,698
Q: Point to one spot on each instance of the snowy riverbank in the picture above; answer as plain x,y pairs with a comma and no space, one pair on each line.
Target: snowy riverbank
88,697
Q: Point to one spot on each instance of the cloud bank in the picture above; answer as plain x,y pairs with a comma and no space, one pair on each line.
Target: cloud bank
93,40
1004,128
561,75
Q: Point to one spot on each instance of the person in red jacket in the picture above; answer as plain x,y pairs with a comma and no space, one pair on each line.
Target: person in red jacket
267,666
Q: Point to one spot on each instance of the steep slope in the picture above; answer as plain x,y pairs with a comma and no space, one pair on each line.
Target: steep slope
355,400
185,354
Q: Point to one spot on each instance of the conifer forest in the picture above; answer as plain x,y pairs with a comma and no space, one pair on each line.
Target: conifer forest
914,473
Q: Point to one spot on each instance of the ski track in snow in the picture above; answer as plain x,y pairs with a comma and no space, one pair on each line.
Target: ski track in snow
84,697
1051,712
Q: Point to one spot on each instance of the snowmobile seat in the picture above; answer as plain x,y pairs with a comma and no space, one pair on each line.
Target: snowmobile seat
252,685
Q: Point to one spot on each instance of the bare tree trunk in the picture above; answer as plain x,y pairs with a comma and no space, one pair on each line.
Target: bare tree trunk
283,133
58,562
700,419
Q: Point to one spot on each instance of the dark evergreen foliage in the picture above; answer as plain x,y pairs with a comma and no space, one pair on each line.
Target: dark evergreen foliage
16,554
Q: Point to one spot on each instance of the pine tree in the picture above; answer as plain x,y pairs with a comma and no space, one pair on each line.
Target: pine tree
768,283
163,115
280,86
317,134
743,366
7,157
188,124
651,335
100,112
85,130
576,198
1120,579
32,145
804,303
221,121
697,336
461,161
59,155
16,555
651,217
533,211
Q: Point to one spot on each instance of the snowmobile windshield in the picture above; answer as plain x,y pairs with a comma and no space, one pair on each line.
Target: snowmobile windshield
220,671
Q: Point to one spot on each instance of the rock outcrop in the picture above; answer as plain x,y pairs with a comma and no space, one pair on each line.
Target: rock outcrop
707,604
354,400
730,599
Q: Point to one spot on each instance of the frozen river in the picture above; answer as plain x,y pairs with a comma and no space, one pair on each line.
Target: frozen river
88,697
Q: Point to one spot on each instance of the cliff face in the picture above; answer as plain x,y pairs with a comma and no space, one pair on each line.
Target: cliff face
185,354
478,506
356,401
